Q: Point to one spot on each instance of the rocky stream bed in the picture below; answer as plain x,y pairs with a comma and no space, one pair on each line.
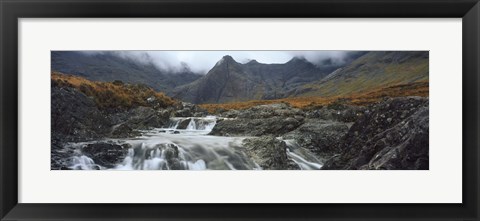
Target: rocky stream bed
391,134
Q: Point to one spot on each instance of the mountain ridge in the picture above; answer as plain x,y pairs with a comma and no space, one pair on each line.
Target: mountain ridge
252,80
231,81
300,78
108,67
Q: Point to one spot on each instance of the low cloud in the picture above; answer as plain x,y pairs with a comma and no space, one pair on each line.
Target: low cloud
202,61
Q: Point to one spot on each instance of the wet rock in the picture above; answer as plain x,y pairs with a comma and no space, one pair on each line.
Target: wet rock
124,130
268,152
292,165
59,156
321,137
393,134
146,118
183,113
74,116
171,155
188,110
337,112
272,119
256,127
140,118
270,110
183,123
230,114
106,154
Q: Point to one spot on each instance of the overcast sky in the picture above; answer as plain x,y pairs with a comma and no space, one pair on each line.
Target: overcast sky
202,61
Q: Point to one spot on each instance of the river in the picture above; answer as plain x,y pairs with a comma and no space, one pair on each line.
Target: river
196,150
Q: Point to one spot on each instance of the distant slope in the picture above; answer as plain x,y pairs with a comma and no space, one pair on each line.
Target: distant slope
370,71
109,67
230,81
420,89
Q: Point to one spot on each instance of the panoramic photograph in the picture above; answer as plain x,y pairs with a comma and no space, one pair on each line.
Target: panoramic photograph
240,110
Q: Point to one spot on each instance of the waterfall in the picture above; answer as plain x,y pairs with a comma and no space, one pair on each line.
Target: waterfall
83,163
198,124
302,157
186,152
192,125
174,123
185,145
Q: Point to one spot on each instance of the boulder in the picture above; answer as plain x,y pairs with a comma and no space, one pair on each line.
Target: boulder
183,123
268,152
256,127
106,154
392,134
272,119
140,118
321,137
171,156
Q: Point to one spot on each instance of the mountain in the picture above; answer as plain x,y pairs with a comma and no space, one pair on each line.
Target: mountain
230,81
107,67
378,69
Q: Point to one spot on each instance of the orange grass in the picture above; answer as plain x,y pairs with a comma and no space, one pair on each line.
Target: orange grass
365,98
113,94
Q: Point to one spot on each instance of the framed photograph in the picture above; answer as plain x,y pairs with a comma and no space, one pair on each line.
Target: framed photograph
228,110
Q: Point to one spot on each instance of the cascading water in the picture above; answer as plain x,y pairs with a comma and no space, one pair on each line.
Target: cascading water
303,158
192,125
180,147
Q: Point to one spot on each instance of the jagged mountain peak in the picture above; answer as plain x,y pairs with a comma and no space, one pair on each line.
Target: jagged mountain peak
227,57
225,60
253,61
297,59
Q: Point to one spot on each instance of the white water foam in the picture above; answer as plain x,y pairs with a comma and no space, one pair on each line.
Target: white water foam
189,149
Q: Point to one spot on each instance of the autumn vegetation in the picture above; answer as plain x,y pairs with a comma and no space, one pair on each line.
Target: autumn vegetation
311,102
114,94
117,94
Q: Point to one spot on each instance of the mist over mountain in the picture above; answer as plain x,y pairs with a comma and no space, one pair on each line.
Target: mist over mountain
370,71
313,73
251,110
111,66
230,81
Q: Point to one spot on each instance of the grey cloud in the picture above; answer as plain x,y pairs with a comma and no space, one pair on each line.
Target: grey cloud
202,61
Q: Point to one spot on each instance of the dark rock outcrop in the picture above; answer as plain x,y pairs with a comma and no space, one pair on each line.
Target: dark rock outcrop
392,134
106,154
268,152
183,123
323,138
140,118
75,117
274,119
189,110
59,156
256,127
336,112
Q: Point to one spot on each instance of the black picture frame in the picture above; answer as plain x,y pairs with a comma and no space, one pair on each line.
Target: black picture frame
12,10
